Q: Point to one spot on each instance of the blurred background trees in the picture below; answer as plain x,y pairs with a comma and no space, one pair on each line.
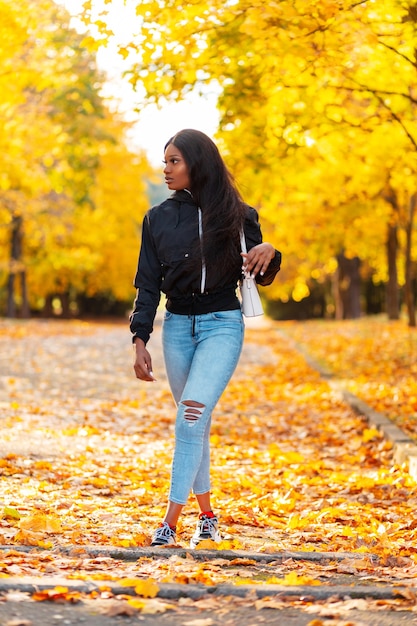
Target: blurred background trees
72,194
317,123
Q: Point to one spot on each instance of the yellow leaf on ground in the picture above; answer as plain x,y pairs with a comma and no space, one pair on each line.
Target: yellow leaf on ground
141,539
207,544
371,433
28,538
292,578
57,594
41,523
136,603
10,513
147,588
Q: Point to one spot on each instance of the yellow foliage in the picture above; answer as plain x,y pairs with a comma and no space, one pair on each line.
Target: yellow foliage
66,169
321,109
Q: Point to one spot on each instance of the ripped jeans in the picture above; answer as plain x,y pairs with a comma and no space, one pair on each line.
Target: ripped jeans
201,353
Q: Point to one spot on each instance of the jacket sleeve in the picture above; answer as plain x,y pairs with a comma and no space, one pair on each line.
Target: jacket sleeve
147,281
253,237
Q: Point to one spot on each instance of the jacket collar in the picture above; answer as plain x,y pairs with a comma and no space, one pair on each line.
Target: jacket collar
183,196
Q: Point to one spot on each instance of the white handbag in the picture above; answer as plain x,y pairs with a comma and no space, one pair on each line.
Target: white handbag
250,298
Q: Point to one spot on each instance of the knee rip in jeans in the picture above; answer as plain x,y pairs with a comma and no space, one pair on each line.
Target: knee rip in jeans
193,411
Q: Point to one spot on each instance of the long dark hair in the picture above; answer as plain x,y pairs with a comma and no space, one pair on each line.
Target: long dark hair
214,191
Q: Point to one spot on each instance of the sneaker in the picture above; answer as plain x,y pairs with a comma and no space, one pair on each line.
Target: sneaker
164,535
206,529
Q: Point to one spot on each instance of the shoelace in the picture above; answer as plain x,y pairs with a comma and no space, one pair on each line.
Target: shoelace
164,532
207,525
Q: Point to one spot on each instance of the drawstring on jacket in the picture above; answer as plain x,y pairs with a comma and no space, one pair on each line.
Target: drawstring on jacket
203,262
203,267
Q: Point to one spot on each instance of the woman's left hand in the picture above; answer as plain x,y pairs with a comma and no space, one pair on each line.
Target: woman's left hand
258,258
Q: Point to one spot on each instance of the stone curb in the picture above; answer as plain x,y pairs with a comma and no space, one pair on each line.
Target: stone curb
404,448
174,591
134,554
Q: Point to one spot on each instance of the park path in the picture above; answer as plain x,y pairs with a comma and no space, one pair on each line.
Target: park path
293,464
295,470
65,371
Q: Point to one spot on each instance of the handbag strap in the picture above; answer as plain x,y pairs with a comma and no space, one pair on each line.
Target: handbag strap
243,247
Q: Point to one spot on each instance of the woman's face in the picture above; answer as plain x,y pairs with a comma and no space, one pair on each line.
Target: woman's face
175,170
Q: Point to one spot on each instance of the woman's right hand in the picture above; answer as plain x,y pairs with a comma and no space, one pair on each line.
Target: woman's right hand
143,362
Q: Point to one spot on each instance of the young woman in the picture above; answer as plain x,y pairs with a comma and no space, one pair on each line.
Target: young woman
191,252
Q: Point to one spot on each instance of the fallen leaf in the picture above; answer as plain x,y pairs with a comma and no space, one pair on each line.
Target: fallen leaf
292,578
119,607
57,594
41,523
147,588
207,544
10,513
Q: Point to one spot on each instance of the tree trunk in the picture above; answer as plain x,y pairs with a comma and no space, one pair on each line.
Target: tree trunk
393,297
25,313
65,303
393,293
11,304
348,287
409,295
15,254
16,270
48,309
338,304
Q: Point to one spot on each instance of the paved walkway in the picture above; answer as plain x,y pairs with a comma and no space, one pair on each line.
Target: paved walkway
86,371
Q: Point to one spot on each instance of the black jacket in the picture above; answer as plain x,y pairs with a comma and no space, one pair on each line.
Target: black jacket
170,262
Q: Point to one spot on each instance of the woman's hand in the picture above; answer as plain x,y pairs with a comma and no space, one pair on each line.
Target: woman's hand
258,258
143,362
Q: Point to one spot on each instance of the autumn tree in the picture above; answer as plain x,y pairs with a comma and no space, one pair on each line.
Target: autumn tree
21,157
69,182
317,120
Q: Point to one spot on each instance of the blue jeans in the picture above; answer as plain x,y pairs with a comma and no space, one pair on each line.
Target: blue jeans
201,353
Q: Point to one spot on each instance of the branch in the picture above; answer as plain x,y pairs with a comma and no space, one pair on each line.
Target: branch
364,88
398,120
394,115
404,56
360,88
323,27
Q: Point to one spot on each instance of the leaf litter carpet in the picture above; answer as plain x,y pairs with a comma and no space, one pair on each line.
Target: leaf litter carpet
85,454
